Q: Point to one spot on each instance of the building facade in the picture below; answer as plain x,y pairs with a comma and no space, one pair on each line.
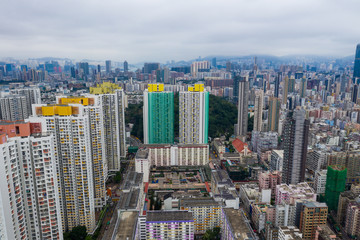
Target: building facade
258,112
70,126
296,131
29,203
206,213
178,155
158,115
194,115
243,101
112,100
169,225
313,214
94,112
274,114
13,108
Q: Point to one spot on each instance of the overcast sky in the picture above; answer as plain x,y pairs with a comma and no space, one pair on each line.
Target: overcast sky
160,30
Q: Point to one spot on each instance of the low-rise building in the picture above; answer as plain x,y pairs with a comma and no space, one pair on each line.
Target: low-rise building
269,180
206,213
261,213
352,220
249,194
324,232
289,233
320,181
142,163
169,225
344,199
223,189
288,194
178,155
285,215
315,160
235,225
276,160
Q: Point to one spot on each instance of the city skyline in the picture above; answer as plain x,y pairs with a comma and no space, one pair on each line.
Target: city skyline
143,31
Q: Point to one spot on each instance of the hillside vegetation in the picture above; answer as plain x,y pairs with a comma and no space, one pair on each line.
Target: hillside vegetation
222,117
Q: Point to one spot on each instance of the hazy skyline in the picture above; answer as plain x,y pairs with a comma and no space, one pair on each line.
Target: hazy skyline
161,30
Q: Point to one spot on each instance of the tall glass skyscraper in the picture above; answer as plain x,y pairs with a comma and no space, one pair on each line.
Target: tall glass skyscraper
158,115
357,62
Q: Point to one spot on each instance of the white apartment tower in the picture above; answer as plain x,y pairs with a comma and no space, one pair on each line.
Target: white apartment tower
29,202
13,108
93,110
194,115
112,102
70,125
200,65
32,95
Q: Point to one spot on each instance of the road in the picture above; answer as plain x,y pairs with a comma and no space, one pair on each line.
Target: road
112,227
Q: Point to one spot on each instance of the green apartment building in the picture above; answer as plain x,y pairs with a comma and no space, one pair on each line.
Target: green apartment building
158,114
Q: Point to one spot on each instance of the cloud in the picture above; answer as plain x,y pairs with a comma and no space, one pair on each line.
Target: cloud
160,30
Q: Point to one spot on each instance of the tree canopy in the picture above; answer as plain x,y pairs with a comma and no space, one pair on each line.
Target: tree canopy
77,233
222,117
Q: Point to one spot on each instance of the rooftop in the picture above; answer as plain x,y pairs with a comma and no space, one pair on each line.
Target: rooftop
166,216
239,145
240,228
127,226
142,154
198,202
314,204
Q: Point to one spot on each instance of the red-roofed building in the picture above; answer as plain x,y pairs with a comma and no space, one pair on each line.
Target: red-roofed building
241,147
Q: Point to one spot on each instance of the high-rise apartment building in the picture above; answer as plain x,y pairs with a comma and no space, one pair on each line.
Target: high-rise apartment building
13,108
295,131
70,126
335,184
149,67
313,215
259,99
93,110
199,66
243,101
285,89
348,159
32,95
303,87
108,66
357,62
29,203
291,85
277,84
344,199
158,115
352,219
194,115
274,114
320,181
112,102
